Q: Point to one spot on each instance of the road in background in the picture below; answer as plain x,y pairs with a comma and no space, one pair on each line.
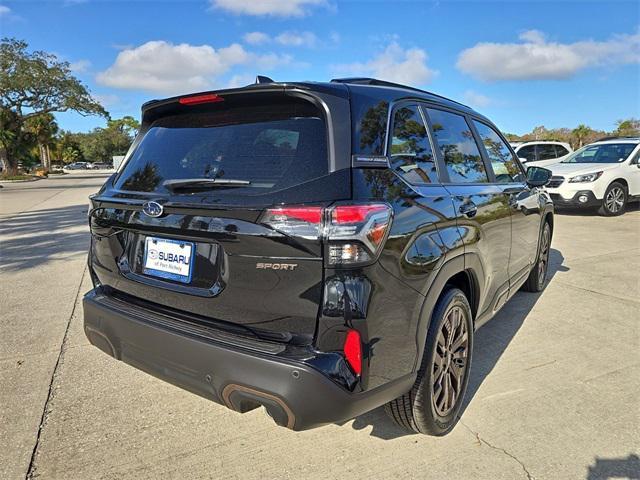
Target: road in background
553,390
43,245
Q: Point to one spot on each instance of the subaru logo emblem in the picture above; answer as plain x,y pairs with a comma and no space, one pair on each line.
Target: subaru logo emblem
152,209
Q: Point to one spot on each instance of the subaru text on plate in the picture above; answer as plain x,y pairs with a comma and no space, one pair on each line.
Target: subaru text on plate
318,249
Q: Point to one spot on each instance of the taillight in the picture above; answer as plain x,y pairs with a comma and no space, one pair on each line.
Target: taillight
198,99
299,221
353,351
353,233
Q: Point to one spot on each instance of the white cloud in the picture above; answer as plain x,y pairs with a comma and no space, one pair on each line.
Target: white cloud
275,8
537,58
288,39
394,64
81,66
297,39
477,100
240,81
4,10
167,68
271,60
256,38
107,99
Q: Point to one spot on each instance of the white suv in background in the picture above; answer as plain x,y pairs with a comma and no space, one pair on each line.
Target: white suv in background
542,153
604,174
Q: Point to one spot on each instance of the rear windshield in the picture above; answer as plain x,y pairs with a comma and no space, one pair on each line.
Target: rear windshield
272,146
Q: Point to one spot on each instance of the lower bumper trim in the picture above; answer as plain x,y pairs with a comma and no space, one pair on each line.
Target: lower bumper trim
581,199
294,394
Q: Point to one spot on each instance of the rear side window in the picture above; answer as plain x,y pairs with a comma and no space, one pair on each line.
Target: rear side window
409,150
502,161
271,146
527,153
458,147
561,151
546,152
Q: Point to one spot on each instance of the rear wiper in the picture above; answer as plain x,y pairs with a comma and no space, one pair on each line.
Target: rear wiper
203,183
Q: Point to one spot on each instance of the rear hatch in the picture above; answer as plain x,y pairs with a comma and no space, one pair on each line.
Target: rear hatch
190,223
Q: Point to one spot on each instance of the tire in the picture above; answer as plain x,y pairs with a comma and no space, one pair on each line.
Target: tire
425,408
538,275
614,202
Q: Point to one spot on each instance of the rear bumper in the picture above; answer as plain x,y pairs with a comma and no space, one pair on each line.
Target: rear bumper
580,199
295,394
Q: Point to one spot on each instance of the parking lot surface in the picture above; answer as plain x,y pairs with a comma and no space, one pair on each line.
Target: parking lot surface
554,389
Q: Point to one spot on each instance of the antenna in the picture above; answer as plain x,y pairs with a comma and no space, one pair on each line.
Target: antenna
263,79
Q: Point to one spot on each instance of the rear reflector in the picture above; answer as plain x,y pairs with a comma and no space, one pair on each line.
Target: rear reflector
197,99
353,351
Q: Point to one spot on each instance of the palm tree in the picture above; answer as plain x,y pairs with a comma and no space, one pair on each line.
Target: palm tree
43,127
581,132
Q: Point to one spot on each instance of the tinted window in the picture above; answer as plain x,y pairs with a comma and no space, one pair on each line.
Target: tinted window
527,153
561,151
370,132
271,146
546,152
504,166
458,147
409,149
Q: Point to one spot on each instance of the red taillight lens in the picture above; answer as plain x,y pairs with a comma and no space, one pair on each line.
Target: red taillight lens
301,221
197,99
306,214
354,213
353,351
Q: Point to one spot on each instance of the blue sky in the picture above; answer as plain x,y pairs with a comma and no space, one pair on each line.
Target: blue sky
520,63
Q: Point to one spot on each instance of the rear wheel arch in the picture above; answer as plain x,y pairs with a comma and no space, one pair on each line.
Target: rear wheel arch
452,274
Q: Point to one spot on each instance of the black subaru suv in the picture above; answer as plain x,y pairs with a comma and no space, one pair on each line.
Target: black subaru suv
318,249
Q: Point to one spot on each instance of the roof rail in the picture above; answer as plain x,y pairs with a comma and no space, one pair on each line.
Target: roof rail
384,83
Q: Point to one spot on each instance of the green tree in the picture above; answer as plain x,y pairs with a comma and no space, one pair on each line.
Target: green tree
68,147
512,137
628,128
539,133
580,133
44,128
33,84
102,144
70,154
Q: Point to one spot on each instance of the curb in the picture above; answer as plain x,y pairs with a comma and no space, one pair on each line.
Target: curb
21,181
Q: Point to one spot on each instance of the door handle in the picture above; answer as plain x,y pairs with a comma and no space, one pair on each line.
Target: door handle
469,209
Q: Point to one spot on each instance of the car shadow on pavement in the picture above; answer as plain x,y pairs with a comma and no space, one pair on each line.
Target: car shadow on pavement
609,468
32,239
490,342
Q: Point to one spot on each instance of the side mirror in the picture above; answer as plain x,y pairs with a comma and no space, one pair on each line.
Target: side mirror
538,176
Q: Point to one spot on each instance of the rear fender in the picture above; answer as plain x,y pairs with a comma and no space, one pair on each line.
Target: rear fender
461,263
